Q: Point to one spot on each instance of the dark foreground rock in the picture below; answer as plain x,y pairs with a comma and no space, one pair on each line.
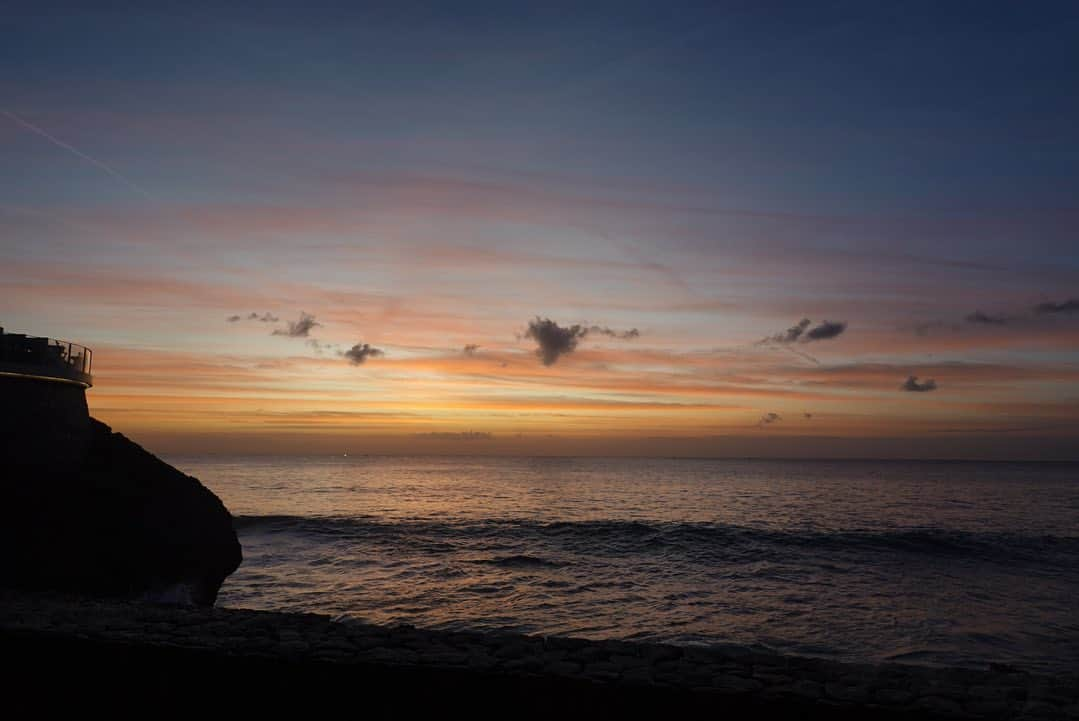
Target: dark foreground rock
111,519
123,655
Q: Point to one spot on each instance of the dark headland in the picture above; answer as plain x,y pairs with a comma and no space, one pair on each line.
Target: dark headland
86,510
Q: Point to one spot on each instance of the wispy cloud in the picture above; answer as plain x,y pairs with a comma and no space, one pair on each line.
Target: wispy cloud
980,318
320,347
624,335
913,386
791,335
264,318
359,353
299,328
1071,305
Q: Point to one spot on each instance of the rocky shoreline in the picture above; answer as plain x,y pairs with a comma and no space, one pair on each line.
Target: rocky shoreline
478,668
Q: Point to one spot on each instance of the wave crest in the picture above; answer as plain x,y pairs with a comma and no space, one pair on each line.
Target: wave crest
695,539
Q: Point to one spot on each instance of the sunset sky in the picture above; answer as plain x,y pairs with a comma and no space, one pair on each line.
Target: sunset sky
326,229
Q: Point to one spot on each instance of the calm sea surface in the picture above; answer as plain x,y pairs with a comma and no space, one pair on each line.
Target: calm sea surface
950,563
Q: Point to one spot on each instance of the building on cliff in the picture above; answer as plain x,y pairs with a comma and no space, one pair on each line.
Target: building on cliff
45,421
45,359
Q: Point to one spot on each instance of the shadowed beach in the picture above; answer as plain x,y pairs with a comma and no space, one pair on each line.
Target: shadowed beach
194,657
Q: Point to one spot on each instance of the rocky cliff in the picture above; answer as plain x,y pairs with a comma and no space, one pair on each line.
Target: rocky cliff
88,511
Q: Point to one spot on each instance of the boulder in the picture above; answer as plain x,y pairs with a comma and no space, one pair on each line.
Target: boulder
112,520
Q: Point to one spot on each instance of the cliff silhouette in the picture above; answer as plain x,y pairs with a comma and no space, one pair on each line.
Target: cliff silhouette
88,511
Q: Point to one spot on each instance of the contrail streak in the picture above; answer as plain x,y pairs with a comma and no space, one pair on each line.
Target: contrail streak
800,354
60,143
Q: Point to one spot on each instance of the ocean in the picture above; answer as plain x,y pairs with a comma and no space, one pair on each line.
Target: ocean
949,563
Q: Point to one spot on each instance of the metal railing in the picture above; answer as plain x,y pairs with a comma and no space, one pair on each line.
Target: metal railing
61,357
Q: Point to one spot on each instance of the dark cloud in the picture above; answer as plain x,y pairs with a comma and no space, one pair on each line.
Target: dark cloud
264,318
555,341
470,350
769,418
1071,305
360,352
800,332
319,346
1019,318
913,386
825,331
980,318
624,335
464,436
298,328
807,415
793,333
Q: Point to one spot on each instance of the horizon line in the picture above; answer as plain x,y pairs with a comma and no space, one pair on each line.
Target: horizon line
786,459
